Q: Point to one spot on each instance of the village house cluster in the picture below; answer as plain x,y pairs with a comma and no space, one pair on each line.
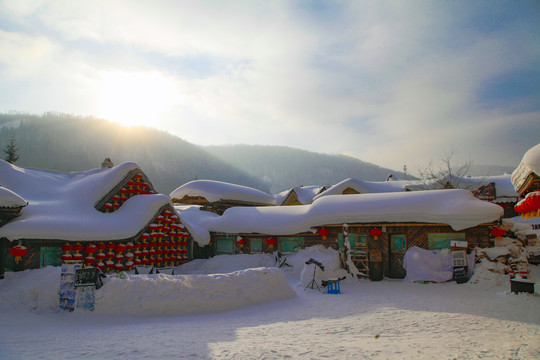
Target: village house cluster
114,219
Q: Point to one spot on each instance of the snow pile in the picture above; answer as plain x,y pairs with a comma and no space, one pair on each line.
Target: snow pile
154,294
37,289
489,275
428,265
190,294
225,264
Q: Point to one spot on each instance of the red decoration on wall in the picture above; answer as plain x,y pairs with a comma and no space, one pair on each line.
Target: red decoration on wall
271,241
240,241
323,232
498,232
375,232
18,251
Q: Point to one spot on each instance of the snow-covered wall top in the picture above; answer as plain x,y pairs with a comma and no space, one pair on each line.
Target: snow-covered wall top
457,208
9,199
61,205
529,164
213,191
365,187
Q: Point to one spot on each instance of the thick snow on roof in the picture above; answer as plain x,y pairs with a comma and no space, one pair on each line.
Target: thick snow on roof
365,187
9,199
457,208
305,194
61,205
503,184
529,164
213,191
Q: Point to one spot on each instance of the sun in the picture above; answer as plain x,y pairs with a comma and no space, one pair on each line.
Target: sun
135,98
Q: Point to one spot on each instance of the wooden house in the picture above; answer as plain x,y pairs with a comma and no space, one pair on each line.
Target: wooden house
526,177
111,218
380,227
300,195
218,196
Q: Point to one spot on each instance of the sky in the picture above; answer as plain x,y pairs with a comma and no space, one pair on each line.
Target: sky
390,82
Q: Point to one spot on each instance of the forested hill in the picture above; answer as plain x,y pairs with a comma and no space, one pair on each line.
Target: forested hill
72,143
284,167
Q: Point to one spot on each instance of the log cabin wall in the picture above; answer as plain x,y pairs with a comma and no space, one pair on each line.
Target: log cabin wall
414,235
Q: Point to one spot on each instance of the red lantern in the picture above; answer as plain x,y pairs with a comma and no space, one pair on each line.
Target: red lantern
240,241
120,248
498,232
138,176
375,232
67,247
89,260
66,257
18,251
167,213
271,241
78,247
90,249
323,232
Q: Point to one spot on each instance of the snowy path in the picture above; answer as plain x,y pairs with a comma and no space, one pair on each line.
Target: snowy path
378,320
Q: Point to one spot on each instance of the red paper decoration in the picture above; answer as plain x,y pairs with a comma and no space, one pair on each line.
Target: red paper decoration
18,251
271,241
498,232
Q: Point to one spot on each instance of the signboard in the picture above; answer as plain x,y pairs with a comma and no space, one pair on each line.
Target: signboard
486,192
68,293
86,277
438,241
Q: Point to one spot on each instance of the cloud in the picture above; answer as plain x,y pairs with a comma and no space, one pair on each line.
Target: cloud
388,82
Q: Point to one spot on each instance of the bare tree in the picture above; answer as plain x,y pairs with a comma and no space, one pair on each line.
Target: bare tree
446,175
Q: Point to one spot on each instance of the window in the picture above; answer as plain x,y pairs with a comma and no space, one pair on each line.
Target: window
224,245
289,245
398,243
50,256
255,245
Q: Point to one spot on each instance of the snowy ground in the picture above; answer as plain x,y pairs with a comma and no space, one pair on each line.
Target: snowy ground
376,320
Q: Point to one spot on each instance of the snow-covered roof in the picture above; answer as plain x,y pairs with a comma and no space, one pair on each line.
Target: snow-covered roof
503,185
62,205
214,191
9,199
457,208
365,187
530,164
305,194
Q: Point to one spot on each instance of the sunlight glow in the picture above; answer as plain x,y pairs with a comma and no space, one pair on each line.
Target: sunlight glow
136,98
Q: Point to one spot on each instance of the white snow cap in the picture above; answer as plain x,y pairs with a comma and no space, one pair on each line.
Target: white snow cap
365,187
457,208
61,205
530,164
213,191
9,199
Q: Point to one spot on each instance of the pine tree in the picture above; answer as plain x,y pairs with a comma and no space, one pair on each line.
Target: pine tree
11,151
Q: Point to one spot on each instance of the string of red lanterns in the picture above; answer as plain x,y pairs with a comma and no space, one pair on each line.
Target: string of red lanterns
165,244
529,207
